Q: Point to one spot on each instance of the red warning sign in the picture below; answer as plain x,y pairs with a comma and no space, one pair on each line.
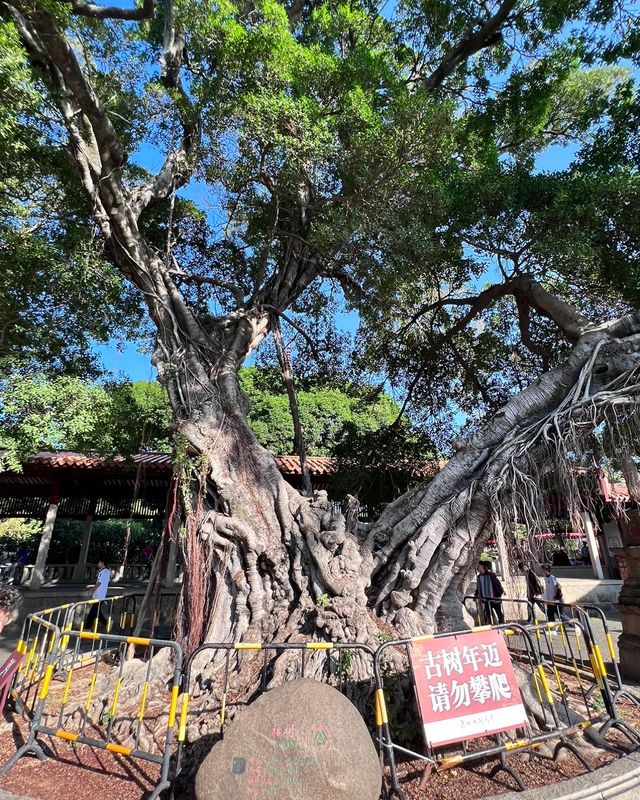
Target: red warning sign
466,687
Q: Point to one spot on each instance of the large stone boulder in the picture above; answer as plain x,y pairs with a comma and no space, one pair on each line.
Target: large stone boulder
301,741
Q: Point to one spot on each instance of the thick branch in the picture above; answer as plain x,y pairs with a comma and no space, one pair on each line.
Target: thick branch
61,54
524,289
530,294
473,41
234,290
524,323
570,321
145,11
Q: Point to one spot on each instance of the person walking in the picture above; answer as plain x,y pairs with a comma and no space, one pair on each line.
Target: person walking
99,593
534,592
552,595
489,591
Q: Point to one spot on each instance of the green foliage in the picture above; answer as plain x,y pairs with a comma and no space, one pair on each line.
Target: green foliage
323,600
346,660
14,532
334,418
66,413
107,538
57,292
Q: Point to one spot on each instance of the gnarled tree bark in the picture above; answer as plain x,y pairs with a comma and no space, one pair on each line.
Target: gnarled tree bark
262,562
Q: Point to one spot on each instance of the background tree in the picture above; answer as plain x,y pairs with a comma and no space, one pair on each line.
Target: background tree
123,417
67,413
338,147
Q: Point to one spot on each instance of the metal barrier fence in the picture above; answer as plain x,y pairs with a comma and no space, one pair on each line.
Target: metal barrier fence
533,650
579,611
99,719
37,639
562,659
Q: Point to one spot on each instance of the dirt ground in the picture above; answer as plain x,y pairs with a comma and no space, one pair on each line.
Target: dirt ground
82,773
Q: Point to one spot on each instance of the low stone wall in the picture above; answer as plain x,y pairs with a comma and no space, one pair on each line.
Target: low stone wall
619,780
600,593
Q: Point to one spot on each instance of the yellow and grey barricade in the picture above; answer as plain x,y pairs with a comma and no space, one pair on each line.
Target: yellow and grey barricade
162,615
477,607
338,659
36,641
621,691
568,644
52,718
79,617
595,665
504,746
128,615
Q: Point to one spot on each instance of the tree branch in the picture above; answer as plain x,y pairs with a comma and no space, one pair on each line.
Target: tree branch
295,326
97,156
234,290
298,431
145,11
176,168
477,302
61,55
570,321
472,42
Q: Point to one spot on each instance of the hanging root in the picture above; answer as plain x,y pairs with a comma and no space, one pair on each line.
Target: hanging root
550,457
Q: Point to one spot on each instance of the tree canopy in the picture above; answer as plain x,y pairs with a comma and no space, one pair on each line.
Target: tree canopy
122,417
392,152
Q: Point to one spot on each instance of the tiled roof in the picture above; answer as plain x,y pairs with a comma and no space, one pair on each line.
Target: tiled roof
288,465
318,465
81,461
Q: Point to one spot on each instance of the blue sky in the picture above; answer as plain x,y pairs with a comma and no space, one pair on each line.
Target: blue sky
124,359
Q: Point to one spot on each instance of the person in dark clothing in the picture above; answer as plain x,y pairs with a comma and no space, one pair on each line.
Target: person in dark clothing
489,590
16,571
534,592
561,558
585,555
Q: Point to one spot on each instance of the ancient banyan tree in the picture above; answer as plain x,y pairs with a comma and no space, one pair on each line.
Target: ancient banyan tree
308,155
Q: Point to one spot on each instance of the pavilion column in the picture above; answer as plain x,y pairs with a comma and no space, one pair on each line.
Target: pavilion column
37,576
79,571
592,544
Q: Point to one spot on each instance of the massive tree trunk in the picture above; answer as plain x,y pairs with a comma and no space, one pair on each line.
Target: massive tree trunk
261,560
265,563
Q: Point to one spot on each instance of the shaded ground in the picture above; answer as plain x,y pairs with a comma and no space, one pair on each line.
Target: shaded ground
77,772
82,773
